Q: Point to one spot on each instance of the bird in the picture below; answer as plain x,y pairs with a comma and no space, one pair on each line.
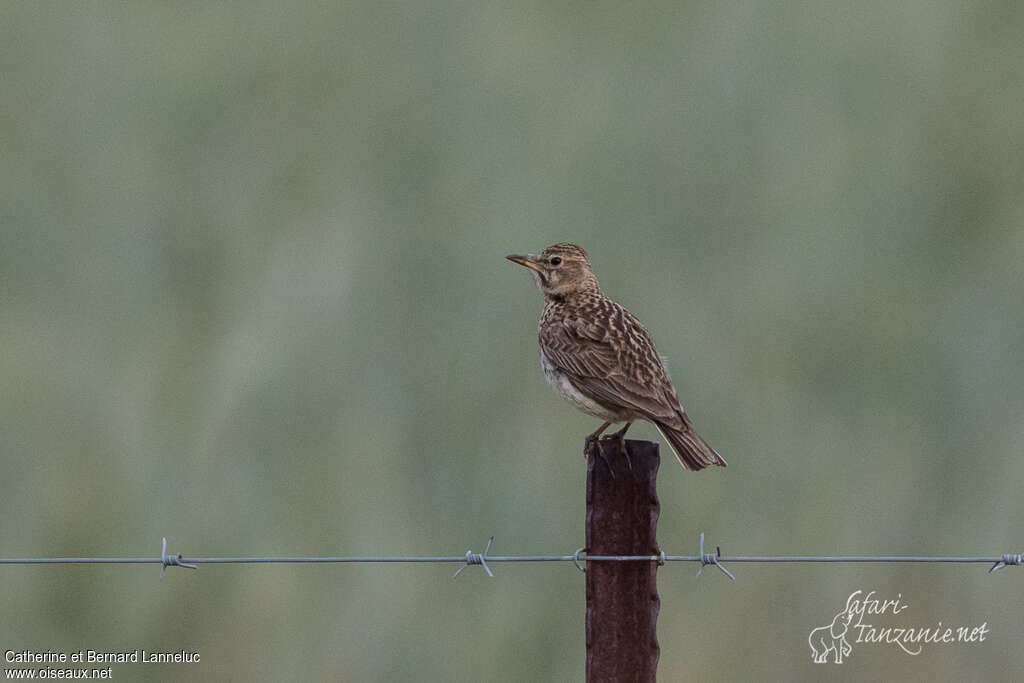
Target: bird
597,356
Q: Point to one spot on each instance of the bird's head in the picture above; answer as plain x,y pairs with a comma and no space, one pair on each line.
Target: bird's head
560,270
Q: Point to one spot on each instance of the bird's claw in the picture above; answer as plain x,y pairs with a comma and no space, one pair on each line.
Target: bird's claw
620,436
593,447
622,447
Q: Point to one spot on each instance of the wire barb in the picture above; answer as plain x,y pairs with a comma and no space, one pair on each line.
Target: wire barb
1008,560
477,558
171,560
576,560
711,558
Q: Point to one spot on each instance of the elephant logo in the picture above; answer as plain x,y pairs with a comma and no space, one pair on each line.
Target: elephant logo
832,638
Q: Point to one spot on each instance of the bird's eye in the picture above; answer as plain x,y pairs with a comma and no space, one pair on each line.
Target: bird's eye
555,260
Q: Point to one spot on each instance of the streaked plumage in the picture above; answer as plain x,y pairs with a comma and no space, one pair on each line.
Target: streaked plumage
600,358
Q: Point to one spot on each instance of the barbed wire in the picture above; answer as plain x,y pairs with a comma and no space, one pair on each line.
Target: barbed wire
483,559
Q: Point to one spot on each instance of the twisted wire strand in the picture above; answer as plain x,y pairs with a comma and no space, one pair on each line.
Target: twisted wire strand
484,559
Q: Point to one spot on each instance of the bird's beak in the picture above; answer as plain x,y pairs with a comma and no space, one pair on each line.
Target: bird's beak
528,260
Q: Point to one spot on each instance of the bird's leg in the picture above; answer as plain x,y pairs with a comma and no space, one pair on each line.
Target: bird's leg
621,436
593,444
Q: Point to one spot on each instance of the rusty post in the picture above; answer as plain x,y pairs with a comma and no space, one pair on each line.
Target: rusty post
622,597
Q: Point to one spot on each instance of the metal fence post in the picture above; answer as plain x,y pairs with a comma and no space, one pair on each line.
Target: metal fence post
622,597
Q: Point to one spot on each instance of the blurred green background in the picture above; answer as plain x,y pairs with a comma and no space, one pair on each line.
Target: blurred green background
253,298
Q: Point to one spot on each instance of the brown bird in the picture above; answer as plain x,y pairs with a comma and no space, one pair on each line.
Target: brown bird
598,357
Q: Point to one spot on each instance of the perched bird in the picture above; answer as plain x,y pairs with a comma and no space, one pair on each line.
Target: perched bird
598,357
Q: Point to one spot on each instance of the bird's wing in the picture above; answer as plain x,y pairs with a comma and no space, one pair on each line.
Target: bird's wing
614,362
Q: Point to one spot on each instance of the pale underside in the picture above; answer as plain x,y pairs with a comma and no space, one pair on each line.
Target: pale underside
559,381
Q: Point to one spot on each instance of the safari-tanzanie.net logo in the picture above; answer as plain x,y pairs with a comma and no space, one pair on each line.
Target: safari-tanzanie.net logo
865,619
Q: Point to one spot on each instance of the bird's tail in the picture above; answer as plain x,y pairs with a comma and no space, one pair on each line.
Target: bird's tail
693,452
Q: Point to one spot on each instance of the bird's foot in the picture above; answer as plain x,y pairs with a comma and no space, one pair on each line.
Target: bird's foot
593,449
620,436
